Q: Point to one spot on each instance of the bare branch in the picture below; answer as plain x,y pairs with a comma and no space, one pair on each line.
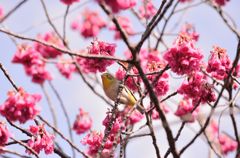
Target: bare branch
66,51
12,11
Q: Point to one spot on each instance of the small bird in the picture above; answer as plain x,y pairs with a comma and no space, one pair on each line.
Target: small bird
111,86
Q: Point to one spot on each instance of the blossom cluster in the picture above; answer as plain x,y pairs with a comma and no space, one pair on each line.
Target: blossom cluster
46,51
41,140
118,5
20,106
219,64
183,57
4,134
131,82
147,10
83,122
125,24
69,2
66,67
91,24
33,64
189,30
1,12
220,2
197,88
187,111
155,114
150,62
154,64
98,65
94,139
32,57
224,142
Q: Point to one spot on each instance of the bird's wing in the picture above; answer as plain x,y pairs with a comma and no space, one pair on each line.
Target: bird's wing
129,95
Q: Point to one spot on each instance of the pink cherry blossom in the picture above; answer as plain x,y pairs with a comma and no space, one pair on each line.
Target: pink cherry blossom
152,63
26,55
197,88
4,134
219,64
93,140
143,56
75,25
161,87
132,81
41,140
192,86
155,114
236,71
183,57
183,1
1,12
135,117
20,106
69,2
186,110
117,123
49,52
212,130
91,25
189,30
95,65
39,73
66,67
207,93
227,144
33,63
147,10
126,25
220,2
117,5
83,122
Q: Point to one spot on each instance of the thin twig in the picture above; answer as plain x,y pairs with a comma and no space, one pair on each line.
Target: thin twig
50,21
232,28
152,133
51,107
63,50
14,153
64,111
8,77
118,26
64,23
12,10
26,146
234,124
154,99
165,25
153,23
